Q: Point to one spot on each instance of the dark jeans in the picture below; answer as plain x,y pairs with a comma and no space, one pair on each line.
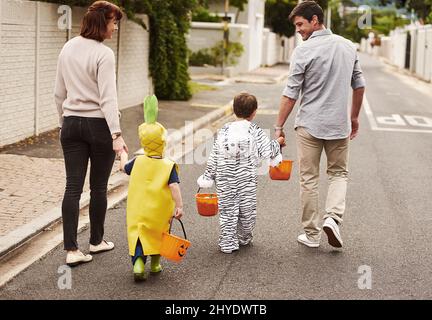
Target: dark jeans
83,139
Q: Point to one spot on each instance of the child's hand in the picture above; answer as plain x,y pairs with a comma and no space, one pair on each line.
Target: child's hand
276,160
281,141
203,182
123,155
123,159
178,213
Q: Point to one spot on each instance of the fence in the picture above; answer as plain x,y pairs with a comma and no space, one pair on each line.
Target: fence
409,48
30,41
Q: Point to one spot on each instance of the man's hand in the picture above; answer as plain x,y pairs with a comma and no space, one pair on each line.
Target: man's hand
357,102
354,128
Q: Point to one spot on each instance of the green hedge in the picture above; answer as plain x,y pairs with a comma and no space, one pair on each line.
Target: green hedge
169,24
215,55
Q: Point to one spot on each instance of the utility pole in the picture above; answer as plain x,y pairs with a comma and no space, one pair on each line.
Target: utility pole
328,24
225,36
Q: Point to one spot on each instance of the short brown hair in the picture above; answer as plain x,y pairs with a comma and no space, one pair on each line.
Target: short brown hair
96,19
244,105
307,9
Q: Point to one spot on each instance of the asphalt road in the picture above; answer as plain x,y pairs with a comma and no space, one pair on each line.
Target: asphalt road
386,230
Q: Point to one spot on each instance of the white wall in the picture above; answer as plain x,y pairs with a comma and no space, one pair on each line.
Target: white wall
256,29
248,31
204,35
271,49
30,42
423,62
393,48
399,47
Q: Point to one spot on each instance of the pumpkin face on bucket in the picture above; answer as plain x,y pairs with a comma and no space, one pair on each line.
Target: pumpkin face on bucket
182,250
173,247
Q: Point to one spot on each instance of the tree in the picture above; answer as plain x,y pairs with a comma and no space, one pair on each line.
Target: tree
423,8
383,21
169,24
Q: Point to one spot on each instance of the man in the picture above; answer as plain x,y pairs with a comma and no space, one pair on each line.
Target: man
322,69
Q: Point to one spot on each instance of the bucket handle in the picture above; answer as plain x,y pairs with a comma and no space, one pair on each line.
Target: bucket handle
184,232
199,189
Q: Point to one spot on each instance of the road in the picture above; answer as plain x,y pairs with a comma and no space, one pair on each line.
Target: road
387,229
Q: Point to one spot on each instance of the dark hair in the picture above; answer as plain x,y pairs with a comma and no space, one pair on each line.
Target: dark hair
307,9
96,19
244,105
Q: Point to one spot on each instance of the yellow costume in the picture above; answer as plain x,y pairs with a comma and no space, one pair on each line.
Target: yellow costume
150,204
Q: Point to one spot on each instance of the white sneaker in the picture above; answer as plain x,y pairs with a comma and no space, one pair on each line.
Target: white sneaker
246,243
303,239
228,251
74,258
101,247
331,228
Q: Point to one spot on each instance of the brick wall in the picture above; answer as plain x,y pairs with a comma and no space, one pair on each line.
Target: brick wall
30,42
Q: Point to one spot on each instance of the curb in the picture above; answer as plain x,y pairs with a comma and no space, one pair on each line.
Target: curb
19,236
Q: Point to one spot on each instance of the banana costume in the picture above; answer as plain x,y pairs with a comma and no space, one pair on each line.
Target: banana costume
150,204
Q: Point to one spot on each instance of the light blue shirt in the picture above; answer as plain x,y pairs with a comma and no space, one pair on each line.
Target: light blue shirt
322,70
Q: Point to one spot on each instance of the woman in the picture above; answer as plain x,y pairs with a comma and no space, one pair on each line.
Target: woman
86,99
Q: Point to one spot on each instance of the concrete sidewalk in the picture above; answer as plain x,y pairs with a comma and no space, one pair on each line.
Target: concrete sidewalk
32,177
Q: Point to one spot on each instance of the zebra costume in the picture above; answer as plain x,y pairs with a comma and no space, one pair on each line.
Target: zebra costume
233,164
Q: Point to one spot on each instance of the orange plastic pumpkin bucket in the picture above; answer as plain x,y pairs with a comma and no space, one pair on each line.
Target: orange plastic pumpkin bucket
282,171
174,248
207,204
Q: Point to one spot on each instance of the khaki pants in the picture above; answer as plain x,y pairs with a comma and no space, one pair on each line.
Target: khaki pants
309,151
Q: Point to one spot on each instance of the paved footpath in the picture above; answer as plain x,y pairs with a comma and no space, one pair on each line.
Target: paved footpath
32,176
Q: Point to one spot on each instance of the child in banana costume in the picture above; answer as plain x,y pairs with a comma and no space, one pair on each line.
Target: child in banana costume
153,194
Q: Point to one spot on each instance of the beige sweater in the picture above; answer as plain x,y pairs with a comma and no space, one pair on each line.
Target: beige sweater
86,82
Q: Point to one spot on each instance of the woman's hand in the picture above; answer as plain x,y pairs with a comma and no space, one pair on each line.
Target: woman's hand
119,145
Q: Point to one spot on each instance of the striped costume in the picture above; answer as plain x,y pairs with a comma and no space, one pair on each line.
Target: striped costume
233,164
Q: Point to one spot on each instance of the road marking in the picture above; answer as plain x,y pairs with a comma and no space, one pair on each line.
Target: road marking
369,114
267,111
375,127
202,105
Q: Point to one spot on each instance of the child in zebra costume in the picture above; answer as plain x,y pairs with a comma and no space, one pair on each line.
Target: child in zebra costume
233,164
153,194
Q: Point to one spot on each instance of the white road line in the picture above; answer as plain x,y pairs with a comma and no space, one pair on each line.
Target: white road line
404,130
369,114
374,126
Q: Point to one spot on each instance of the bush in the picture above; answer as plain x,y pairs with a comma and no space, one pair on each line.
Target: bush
232,55
215,55
203,15
169,22
201,57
